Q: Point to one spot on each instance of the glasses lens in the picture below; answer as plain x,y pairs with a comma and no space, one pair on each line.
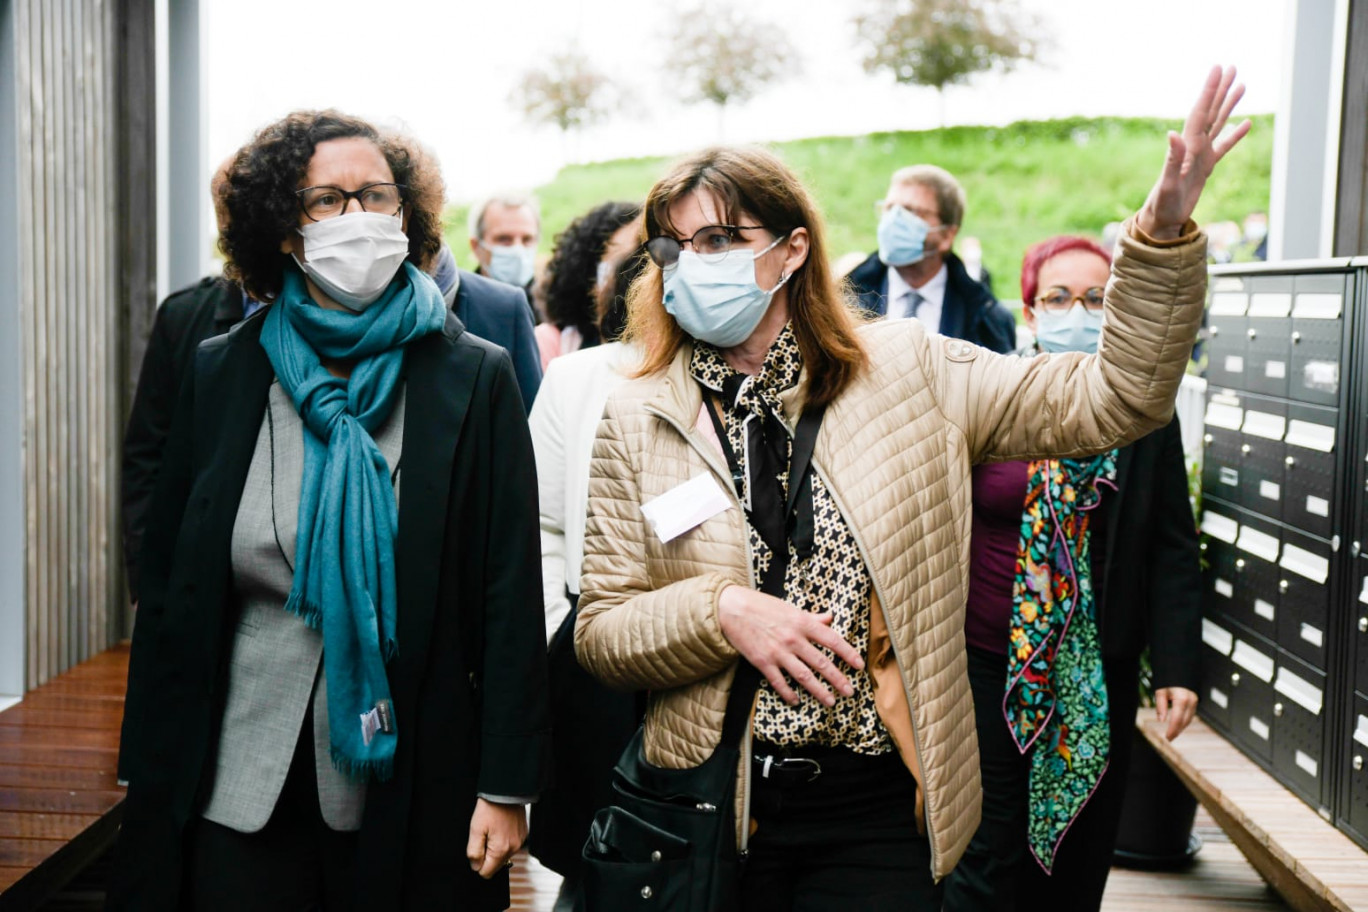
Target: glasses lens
1056,299
1093,298
663,251
712,243
381,198
322,202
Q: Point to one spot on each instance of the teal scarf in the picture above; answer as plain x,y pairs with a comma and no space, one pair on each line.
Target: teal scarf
344,556
1056,696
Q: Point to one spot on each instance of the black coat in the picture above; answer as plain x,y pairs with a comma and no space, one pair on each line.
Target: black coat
208,308
470,674
500,314
969,312
1152,584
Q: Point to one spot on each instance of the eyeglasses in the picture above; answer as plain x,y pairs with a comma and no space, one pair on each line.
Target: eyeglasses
324,202
712,243
1058,299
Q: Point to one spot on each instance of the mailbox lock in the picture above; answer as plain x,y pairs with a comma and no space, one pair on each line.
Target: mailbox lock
1235,679
1252,333
1296,338
1363,624
1277,710
1289,462
1282,585
1239,563
1358,762
1244,448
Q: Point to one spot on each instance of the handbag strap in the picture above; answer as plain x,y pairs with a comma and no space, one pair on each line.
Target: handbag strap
747,677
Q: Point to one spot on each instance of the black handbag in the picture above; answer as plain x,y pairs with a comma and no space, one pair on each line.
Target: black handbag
669,841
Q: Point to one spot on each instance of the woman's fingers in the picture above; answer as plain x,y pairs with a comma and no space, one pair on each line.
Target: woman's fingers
822,634
1200,117
1227,142
803,675
817,660
774,673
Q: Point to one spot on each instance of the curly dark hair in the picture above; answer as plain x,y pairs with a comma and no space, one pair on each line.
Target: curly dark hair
612,299
259,194
572,274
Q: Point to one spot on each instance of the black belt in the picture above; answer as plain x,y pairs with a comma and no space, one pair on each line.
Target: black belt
783,769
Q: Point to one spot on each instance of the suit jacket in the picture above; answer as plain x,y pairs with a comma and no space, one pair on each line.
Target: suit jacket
970,311
1152,564
469,682
185,319
499,313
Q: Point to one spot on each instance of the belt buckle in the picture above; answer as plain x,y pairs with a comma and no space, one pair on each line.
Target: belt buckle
770,763
814,768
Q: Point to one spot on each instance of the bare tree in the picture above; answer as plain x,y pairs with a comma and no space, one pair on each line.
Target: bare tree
717,55
940,43
567,93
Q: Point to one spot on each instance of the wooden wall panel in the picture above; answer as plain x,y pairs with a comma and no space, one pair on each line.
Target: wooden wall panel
72,345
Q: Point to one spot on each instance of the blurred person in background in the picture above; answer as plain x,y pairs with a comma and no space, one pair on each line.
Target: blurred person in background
590,723
839,592
495,312
915,273
504,231
209,308
577,271
1074,566
337,687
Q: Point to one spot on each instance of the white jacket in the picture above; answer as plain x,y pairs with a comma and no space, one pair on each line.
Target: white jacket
564,420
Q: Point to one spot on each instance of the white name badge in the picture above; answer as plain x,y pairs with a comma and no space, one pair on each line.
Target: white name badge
685,506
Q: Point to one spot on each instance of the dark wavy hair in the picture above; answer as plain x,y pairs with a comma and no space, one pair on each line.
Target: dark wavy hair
612,299
259,194
572,274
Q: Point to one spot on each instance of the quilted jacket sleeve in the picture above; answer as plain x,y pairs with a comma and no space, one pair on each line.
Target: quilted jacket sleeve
628,634
1073,404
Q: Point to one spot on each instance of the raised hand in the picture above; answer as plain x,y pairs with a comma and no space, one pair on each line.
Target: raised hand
1192,156
777,638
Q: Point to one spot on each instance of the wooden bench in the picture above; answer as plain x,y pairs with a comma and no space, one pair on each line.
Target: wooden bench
60,801
1306,860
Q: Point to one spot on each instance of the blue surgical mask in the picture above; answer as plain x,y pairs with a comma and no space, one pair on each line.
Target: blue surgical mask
902,237
718,302
1076,329
513,264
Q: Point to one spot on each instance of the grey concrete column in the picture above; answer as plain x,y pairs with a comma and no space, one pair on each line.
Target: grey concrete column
1306,131
12,512
187,191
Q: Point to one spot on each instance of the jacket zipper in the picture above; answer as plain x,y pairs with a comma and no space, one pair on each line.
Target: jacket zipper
892,644
744,824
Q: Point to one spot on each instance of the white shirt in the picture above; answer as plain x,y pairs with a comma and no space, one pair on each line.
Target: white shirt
564,422
932,293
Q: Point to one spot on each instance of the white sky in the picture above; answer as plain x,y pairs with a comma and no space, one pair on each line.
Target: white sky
444,71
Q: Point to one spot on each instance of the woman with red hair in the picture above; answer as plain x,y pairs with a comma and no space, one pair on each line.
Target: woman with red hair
1075,564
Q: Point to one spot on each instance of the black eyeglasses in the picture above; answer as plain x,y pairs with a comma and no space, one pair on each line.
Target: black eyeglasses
1059,299
325,202
712,243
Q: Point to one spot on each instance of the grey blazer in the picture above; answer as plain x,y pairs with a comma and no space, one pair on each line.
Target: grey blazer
276,665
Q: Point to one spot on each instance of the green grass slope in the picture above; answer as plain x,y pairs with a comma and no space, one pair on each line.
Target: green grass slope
1025,181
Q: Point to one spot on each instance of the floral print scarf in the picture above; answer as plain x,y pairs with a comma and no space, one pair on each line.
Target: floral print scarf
1056,695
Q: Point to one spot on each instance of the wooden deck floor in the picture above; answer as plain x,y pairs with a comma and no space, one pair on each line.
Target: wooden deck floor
1219,881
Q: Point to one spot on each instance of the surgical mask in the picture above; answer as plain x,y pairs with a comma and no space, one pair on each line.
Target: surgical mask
513,264
902,237
353,257
604,274
1076,329
718,302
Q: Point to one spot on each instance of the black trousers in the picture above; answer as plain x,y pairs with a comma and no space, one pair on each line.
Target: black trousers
998,873
846,840
296,863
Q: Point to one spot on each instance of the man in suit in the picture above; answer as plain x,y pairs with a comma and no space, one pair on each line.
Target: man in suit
915,274
496,313
186,318
504,231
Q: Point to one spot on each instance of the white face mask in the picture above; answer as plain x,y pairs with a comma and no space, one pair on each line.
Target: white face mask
513,264
353,257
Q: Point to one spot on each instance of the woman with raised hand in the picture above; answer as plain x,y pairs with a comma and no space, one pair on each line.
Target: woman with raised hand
859,784
337,692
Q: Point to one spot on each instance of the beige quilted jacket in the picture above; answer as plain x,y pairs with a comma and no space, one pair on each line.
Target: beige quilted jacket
895,450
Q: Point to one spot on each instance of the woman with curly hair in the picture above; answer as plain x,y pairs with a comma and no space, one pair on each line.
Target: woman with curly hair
574,276
338,679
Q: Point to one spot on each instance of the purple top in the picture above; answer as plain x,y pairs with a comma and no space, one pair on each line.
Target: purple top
999,498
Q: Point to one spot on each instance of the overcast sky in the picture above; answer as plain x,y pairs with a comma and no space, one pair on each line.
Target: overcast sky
444,72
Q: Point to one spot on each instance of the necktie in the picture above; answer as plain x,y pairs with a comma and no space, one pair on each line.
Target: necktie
914,300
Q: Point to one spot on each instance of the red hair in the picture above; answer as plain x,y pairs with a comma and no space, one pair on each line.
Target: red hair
1037,255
